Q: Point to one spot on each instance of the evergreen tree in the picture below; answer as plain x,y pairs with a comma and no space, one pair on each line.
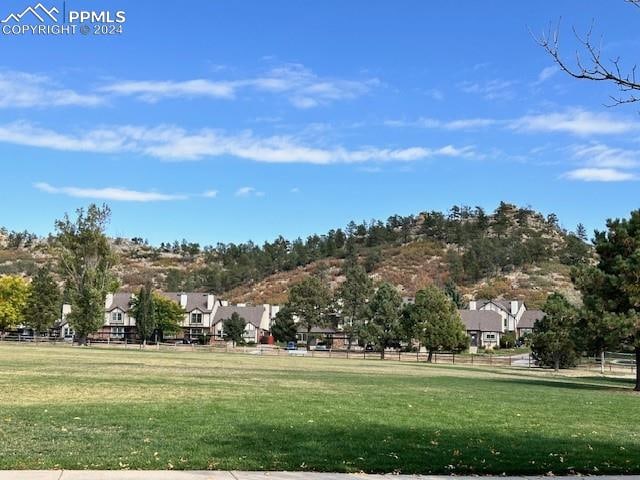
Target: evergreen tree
354,294
44,304
383,329
233,328
612,285
553,337
310,301
284,328
85,262
142,309
437,322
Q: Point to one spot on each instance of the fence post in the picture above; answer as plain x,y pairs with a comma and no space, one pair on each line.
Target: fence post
453,359
399,355
529,358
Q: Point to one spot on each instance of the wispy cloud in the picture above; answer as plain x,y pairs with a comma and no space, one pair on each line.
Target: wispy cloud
576,122
300,85
600,175
108,193
174,143
459,124
248,192
545,74
601,155
495,89
24,90
210,194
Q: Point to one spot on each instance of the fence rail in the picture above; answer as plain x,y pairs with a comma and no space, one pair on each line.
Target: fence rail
614,362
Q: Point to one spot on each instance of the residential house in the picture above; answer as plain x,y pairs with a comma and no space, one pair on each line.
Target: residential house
487,320
258,320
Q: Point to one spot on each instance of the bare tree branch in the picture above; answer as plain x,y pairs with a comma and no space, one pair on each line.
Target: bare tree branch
593,67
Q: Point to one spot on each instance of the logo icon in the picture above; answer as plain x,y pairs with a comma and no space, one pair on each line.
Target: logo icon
39,11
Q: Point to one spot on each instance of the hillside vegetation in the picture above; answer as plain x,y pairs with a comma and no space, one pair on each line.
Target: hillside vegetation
514,252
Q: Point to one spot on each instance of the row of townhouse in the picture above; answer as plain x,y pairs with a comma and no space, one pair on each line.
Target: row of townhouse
485,320
204,316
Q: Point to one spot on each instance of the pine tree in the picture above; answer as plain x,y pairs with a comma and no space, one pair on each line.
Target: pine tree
233,328
553,337
310,301
436,321
384,329
354,294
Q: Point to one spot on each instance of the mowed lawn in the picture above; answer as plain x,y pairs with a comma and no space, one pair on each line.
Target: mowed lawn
75,408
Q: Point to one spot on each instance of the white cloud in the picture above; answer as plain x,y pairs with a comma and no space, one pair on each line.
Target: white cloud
23,90
495,89
210,194
295,190
248,192
302,87
600,175
459,124
547,73
435,94
108,193
576,122
603,156
151,91
173,143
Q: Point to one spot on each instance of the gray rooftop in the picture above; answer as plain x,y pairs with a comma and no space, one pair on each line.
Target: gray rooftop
195,300
529,318
481,320
121,301
252,315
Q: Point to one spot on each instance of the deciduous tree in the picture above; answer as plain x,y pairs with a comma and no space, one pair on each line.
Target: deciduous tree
85,262
44,304
14,293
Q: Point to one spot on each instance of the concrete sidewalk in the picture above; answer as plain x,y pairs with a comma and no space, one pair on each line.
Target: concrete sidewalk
234,475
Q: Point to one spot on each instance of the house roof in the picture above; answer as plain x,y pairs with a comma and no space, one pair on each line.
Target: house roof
252,315
195,300
121,301
529,318
503,304
481,320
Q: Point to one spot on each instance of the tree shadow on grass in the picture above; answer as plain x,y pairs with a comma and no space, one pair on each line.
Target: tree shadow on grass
376,448
581,383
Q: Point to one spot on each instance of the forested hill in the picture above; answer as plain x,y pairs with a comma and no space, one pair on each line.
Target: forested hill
510,252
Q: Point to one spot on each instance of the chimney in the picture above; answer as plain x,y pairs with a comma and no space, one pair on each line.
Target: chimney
514,307
472,305
210,301
224,303
183,300
108,301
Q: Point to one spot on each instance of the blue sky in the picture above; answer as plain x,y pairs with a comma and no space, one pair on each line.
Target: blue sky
236,120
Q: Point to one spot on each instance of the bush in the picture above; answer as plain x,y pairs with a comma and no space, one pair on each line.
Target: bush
508,340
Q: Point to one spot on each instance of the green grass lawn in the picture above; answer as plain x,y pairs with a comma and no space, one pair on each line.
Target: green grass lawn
75,408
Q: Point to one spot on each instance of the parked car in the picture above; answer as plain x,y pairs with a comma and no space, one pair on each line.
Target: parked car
291,346
323,348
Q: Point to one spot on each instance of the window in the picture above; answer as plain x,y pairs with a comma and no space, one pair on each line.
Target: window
196,317
505,323
195,331
117,332
490,336
116,317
